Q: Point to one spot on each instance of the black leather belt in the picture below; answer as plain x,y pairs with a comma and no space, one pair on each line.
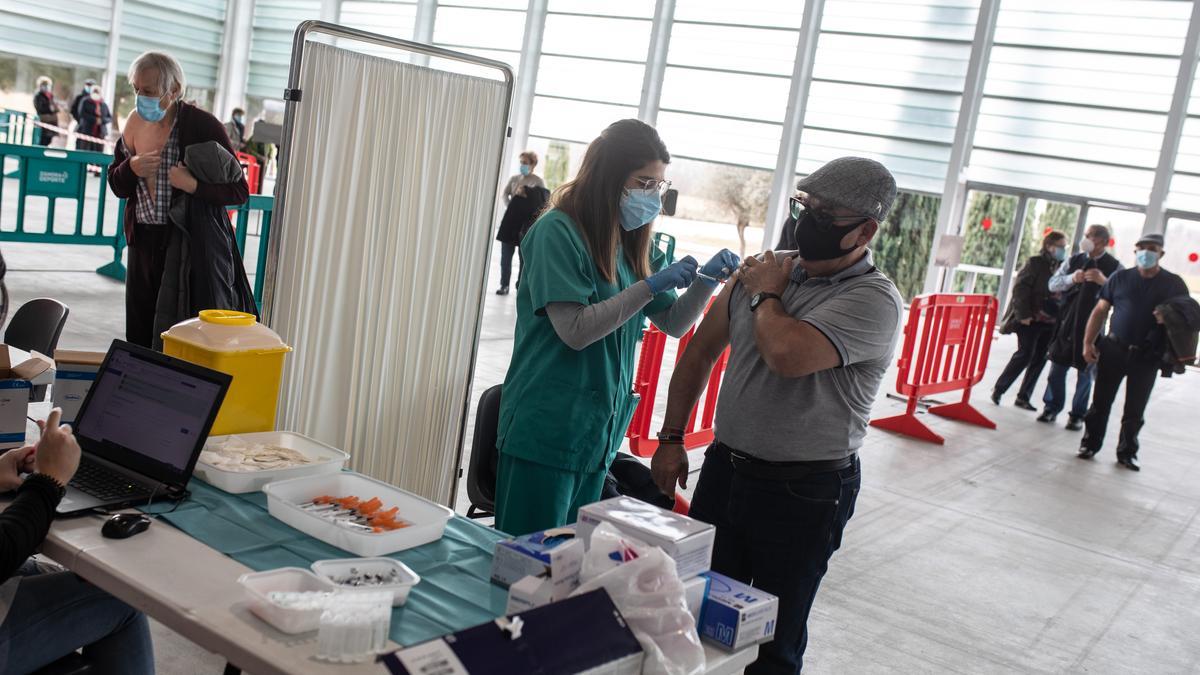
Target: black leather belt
760,468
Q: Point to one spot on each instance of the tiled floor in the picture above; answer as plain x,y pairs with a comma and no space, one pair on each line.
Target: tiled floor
996,552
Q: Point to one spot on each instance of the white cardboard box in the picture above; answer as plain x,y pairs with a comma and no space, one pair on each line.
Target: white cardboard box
20,371
735,615
689,542
76,371
529,593
555,553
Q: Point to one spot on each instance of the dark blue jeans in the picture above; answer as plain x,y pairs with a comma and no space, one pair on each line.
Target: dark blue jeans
55,613
777,535
1055,398
506,256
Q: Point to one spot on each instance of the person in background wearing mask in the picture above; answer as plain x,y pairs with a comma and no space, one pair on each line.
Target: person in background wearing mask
147,170
94,117
1132,350
591,279
88,85
46,108
810,339
47,612
1079,280
236,128
1031,315
512,226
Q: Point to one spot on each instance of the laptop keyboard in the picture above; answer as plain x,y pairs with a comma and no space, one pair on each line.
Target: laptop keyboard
102,483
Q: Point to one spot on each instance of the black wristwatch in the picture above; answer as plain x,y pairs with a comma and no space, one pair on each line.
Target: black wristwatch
759,298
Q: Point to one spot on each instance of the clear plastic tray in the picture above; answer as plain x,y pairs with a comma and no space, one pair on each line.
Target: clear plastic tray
288,580
427,519
331,569
328,460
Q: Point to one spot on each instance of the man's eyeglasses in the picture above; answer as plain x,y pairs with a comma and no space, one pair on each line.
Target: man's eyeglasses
823,219
651,184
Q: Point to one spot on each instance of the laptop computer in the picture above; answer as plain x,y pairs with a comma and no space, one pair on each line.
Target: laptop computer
141,428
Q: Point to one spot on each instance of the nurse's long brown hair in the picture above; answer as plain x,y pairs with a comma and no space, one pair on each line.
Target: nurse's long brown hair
593,199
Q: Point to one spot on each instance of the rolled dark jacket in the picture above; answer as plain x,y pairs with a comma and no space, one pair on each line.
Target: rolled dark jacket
1181,323
1066,346
1031,292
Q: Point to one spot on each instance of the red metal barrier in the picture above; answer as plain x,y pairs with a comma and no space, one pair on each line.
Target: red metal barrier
946,346
642,442
253,172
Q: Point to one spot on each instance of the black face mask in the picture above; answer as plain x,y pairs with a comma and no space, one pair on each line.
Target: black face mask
817,243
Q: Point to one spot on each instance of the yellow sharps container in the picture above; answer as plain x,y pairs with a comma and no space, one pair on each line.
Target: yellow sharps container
234,343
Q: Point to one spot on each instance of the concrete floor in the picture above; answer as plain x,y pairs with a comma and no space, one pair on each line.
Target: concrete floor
997,552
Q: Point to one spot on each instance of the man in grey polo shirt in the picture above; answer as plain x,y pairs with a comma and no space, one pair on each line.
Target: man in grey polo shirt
810,338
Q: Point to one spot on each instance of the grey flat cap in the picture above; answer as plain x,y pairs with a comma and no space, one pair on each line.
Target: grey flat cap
1151,239
855,183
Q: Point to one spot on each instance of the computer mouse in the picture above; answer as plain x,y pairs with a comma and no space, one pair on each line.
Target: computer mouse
125,525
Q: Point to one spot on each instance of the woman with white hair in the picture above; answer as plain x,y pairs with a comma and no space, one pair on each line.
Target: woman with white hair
148,171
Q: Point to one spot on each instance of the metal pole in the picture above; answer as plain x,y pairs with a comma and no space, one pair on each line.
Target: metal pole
656,61
1080,225
109,86
1014,247
531,57
235,58
783,182
954,192
1156,208
423,28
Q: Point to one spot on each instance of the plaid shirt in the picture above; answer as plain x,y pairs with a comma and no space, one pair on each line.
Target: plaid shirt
153,209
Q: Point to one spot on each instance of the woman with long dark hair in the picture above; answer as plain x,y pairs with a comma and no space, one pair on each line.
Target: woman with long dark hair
591,276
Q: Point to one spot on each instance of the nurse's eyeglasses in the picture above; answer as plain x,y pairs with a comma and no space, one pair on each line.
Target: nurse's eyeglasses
660,186
824,220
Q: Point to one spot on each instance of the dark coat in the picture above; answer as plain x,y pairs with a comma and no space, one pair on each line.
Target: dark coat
94,117
203,268
522,211
1066,347
195,126
1031,297
47,112
1181,323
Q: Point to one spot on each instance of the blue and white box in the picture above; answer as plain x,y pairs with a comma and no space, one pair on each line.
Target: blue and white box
554,553
736,615
20,372
75,373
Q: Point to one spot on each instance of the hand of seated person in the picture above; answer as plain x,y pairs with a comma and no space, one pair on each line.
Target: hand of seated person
57,453
12,464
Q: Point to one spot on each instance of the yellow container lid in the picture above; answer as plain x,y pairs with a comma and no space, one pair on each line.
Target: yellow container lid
221,330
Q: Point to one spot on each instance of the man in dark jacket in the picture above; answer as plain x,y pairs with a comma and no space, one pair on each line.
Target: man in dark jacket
88,86
94,117
1079,280
1031,315
1132,350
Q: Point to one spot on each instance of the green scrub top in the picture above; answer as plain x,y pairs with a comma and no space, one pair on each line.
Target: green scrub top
560,407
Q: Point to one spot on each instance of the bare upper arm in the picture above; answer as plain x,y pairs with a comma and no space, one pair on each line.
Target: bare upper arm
712,336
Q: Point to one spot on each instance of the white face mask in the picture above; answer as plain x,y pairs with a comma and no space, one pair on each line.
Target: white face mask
1086,245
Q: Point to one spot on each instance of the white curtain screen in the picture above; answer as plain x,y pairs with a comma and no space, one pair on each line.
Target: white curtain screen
385,228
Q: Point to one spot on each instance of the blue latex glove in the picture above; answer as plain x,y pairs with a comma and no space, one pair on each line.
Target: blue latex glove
721,267
680,274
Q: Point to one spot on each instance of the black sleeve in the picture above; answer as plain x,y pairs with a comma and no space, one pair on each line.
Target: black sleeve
24,524
1023,301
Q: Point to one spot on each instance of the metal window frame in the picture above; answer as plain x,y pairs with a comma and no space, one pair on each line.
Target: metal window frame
303,31
783,181
1165,171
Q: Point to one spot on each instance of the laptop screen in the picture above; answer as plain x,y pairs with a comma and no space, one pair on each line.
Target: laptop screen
149,412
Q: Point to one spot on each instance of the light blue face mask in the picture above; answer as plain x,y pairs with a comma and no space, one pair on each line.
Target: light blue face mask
639,207
1059,253
149,109
1146,259
525,169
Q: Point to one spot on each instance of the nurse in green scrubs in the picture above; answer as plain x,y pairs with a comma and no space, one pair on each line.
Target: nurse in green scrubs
591,277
